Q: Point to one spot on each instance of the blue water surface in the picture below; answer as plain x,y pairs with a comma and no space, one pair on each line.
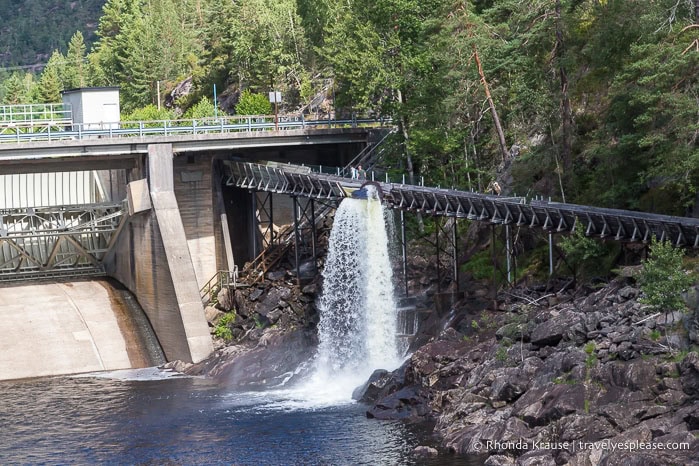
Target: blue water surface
183,421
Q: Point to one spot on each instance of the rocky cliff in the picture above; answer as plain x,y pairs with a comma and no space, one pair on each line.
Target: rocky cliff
590,380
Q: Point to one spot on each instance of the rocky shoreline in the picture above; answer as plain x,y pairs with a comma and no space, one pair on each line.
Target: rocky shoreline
591,380
550,377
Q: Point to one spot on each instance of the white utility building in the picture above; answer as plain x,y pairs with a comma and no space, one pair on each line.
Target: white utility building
93,107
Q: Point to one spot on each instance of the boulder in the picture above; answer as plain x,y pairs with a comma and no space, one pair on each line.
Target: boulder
689,374
425,452
543,405
371,389
552,330
226,299
499,460
267,364
407,404
272,300
213,315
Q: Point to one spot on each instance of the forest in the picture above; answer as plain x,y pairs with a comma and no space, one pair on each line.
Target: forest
585,101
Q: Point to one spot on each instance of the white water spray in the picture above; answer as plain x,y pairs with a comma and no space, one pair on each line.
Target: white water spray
358,317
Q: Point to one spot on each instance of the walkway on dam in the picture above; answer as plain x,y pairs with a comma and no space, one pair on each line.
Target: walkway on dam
554,217
67,327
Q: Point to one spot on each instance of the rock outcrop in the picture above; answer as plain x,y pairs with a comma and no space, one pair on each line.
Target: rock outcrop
271,335
594,380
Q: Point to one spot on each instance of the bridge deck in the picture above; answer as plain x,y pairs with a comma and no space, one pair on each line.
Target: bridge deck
615,224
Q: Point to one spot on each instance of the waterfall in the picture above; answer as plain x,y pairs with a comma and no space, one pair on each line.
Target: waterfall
358,317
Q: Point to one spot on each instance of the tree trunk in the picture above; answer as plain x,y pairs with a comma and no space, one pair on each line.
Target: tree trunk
696,11
404,131
408,158
566,114
496,119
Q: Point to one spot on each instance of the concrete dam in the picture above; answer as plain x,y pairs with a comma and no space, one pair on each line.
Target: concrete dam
105,243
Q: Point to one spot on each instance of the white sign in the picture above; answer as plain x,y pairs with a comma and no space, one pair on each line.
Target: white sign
275,97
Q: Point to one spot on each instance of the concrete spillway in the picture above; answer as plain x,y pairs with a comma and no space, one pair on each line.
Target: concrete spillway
72,327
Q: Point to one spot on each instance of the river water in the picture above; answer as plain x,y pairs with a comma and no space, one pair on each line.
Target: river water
141,417
151,417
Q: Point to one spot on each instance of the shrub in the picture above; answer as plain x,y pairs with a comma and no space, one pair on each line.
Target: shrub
662,277
148,113
202,109
580,251
253,104
222,329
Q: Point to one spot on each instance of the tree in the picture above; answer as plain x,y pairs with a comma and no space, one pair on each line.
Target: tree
50,84
581,253
147,113
202,109
663,278
15,91
76,70
253,104
256,44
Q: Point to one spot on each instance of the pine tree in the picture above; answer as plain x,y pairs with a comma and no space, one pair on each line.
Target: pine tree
15,92
50,85
76,70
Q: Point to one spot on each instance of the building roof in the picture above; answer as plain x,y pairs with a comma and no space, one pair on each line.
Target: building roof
90,89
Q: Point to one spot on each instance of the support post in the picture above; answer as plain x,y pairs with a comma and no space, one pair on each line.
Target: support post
436,242
550,254
271,219
255,225
404,248
297,239
508,252
495,264
455,261
313,231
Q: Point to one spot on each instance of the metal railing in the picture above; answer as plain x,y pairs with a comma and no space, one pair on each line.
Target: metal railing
222,278
35,114
220,125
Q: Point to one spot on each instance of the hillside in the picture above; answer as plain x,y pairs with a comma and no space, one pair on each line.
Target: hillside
31,30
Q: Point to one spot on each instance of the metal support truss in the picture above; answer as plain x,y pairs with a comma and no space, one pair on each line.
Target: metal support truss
304,232
265,218
63,241
404,252
619,225
447,230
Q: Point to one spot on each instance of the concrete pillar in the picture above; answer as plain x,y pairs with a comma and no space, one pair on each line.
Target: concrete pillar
152,259
179,260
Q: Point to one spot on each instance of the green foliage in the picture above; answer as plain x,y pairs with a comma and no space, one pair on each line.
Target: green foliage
33,29
202,109
50,83
222,329
591,359
16,91
148,113
630,74
480,265
501,354
663,278
581,253
76,68
253,104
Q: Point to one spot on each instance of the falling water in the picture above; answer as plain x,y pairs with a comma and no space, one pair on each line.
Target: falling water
358,318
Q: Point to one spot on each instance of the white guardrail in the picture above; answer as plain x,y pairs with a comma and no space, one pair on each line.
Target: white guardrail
61,131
